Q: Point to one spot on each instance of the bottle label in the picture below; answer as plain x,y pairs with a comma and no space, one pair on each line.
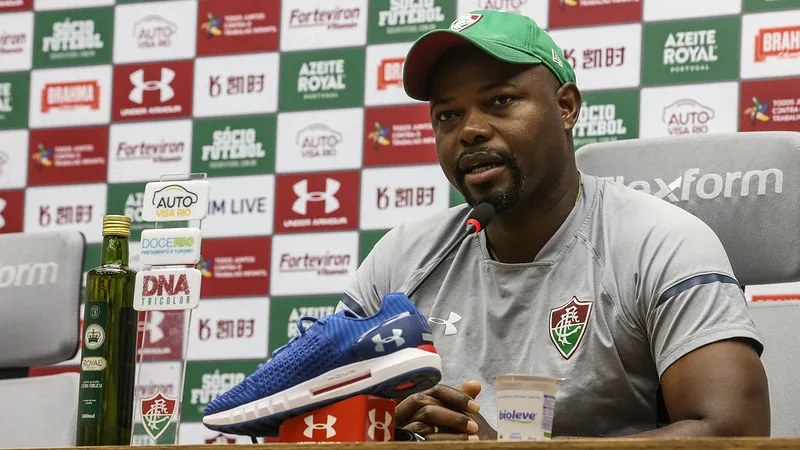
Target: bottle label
93,363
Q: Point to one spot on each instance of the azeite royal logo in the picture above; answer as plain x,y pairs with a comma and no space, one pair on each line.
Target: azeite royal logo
181,200
71,95
162,290
690,50
778,43
321,79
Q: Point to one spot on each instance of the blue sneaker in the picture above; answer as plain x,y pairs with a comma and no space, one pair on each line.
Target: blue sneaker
389,354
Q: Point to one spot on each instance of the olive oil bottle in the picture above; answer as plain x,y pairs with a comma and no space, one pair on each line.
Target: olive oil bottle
108,351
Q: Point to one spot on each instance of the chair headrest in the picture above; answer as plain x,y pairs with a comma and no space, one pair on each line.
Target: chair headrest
745,186
40,297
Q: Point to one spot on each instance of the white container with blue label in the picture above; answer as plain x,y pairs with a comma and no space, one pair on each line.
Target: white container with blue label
525,407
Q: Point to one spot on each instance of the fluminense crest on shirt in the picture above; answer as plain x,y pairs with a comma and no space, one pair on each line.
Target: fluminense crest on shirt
568,324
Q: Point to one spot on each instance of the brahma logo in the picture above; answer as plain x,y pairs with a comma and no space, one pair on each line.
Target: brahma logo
777,43
71,95
687,116
390,73
173,289
154,31
711,185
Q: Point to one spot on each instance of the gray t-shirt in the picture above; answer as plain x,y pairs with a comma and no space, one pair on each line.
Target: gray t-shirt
628,284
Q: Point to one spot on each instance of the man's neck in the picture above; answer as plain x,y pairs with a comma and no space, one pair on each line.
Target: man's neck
518,236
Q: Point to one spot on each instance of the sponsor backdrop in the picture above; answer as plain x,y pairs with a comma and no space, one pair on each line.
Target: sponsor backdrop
295,109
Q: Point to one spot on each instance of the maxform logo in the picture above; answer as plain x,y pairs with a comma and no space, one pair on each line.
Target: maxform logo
710,185
300,206
163,86
35,274
327,426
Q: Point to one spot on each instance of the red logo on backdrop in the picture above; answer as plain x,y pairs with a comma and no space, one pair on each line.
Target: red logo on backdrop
398,135
390,73
777,43
318,201
15,5
772,105
71,95
227,27
153,91
571,13
68,156
232,267
12,206
160,337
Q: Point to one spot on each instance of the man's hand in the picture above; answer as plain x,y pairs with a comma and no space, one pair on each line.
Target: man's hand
445,413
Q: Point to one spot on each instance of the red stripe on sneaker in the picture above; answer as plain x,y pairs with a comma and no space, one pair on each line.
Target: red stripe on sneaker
405,386
428,348
345,383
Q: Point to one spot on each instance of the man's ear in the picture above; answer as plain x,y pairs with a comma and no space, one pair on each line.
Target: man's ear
569,102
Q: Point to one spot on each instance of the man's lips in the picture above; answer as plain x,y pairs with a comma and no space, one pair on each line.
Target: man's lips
478,162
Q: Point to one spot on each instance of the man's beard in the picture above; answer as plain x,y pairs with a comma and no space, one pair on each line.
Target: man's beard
501,199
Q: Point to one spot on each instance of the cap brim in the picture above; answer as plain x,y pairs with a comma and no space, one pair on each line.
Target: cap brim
427,50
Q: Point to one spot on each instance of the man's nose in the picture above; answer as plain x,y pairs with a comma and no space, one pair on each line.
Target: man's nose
475,129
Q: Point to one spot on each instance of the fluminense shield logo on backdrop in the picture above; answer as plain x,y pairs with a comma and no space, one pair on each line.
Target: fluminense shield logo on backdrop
157,412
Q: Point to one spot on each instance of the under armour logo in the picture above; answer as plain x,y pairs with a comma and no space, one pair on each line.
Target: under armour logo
2,207
163,85
449,324
556,59
379,341
152,327
375,425
311,426
300,188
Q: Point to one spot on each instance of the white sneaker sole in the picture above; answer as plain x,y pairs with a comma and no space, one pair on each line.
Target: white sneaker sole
340,382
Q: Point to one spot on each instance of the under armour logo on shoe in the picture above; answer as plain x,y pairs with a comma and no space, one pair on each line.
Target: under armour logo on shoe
449,324
311,426
379,341
300,188
162,85
375,425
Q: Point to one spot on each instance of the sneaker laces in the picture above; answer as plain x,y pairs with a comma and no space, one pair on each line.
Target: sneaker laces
302,329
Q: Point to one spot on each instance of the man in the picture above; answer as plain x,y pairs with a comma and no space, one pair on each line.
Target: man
626,297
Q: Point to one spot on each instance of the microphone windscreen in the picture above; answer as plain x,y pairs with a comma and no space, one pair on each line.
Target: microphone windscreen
483,213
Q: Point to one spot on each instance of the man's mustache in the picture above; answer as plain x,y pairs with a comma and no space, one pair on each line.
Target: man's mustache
500,152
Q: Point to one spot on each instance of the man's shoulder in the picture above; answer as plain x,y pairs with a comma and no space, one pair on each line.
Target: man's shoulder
637,215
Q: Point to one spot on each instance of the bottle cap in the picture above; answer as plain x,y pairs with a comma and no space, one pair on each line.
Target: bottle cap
116,226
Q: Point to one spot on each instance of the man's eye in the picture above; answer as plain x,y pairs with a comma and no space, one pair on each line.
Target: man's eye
445,115
503,99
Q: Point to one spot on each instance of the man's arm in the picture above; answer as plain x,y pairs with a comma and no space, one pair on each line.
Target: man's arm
719,389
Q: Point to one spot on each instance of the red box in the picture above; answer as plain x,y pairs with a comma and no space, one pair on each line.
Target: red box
362,418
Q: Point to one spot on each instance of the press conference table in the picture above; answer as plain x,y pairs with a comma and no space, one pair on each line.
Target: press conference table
577,444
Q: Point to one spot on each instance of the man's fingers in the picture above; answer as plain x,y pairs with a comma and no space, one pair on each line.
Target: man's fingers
411,404
471,388
451,437
454,398
442,417
422,429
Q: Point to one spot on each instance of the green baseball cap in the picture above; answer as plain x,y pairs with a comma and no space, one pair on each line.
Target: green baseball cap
506,36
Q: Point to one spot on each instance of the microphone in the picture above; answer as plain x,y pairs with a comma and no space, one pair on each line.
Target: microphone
477,220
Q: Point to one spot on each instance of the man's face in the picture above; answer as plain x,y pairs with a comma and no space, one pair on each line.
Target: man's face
501,129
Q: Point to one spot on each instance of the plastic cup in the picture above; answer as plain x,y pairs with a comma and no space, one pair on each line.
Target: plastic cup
525,407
